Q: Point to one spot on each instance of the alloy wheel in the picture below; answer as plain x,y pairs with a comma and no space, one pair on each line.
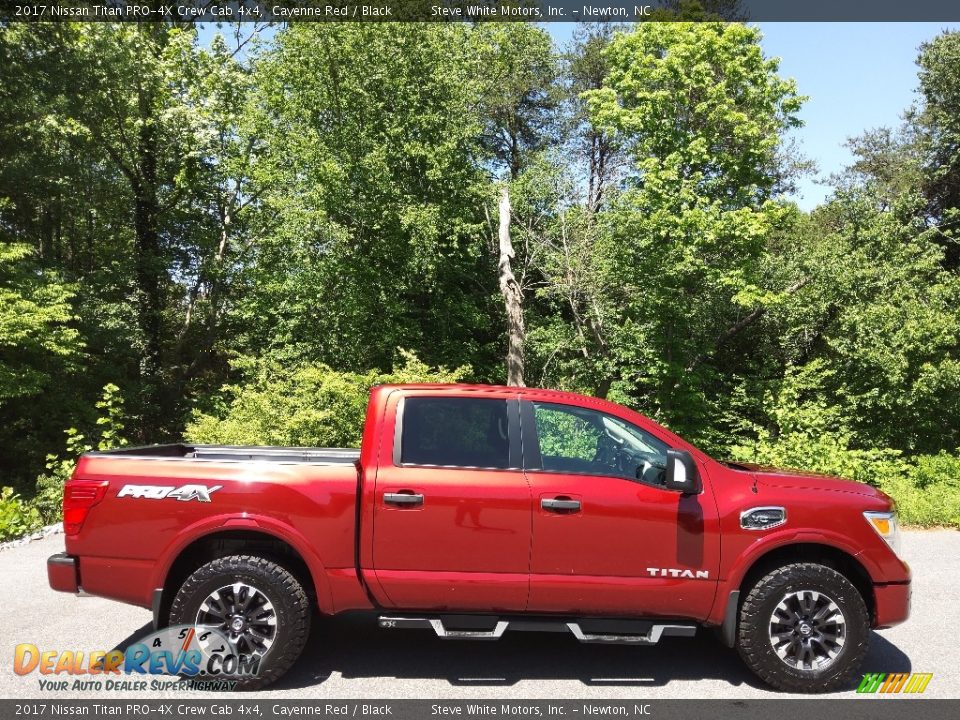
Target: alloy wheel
807,630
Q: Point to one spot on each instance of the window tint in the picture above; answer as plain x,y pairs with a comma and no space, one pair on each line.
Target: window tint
462,432
578,440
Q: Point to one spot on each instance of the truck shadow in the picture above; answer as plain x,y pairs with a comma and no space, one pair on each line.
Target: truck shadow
354,647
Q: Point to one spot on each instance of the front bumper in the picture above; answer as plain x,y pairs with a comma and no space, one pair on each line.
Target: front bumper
892,604
63,573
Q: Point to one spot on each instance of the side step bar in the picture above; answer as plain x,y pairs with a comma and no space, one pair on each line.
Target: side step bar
651,636
436,624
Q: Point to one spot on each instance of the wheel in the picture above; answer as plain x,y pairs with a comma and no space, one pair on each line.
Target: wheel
804,628
259,605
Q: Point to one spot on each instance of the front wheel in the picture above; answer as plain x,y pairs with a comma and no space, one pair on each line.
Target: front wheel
259,605
804,628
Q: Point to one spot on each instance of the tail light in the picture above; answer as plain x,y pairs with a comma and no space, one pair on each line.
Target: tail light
78,497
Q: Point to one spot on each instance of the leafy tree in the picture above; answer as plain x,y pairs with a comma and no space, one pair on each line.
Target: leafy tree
370,199
879,309
701,113
109,434
35,332
38,344
237,238
586,67
17,517
165,115
304,405
938,120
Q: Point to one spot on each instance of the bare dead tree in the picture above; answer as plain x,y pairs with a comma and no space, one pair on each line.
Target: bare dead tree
512,296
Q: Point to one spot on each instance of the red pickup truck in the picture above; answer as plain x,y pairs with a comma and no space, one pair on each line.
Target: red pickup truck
472,510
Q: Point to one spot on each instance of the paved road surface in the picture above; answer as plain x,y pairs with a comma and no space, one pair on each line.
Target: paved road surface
350,658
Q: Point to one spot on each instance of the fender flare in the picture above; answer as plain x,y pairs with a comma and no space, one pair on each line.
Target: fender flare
726,603
256,523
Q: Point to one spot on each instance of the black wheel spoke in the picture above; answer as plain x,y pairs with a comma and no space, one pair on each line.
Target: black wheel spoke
245,615
807,630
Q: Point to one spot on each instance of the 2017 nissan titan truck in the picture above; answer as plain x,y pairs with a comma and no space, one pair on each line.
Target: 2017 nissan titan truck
476,510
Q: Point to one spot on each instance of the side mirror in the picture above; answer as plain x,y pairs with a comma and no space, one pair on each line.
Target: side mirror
682,475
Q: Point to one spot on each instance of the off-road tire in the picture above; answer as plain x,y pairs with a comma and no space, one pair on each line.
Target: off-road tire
290,601
753,631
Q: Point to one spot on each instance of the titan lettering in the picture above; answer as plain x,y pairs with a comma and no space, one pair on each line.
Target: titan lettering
674,572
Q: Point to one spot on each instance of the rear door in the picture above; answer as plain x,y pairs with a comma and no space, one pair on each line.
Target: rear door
608,538
451,527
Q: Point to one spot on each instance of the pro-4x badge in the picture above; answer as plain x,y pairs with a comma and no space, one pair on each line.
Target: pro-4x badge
159,492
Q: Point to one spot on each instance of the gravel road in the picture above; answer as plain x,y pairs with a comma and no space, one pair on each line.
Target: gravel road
349,657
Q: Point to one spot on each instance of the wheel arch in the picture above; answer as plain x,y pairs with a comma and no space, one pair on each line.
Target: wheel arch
251,540
824,554
820,553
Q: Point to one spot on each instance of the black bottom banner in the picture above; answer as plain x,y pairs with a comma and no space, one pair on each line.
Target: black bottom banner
876,708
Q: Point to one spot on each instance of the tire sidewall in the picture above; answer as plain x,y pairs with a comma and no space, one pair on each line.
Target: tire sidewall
765,597
220,573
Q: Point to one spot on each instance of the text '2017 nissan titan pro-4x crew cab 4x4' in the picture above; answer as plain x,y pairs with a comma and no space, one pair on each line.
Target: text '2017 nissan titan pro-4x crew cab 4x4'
476,510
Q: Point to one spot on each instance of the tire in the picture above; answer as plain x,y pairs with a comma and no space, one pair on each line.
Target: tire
820,653
265,584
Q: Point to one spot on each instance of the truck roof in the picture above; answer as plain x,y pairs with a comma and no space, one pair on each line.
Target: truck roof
480,387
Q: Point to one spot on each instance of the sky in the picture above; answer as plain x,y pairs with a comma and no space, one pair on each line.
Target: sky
858,76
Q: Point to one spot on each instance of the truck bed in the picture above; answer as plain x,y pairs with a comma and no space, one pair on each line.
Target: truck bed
173,451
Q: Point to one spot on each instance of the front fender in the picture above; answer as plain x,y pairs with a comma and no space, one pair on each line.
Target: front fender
766,544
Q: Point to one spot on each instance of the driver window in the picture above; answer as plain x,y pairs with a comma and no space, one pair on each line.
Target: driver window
583,441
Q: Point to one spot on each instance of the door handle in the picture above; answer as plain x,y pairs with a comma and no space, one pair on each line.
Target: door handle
404,498
560,504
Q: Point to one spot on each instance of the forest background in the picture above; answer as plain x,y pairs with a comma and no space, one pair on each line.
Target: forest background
230,241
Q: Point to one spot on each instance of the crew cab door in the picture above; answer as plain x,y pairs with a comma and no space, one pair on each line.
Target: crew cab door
608,538
451,524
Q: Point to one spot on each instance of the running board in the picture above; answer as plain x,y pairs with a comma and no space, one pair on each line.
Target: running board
651,636
442,630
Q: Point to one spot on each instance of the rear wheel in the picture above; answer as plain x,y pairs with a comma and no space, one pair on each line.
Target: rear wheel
804,628
256,603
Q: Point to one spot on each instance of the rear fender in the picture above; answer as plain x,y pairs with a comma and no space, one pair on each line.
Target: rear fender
255,523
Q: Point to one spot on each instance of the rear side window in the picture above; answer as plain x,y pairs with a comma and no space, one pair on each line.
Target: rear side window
457,432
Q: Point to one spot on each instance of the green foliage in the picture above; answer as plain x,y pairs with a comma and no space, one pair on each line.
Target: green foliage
938,123
563,434
36,338
304,405
17,517
809,433
672,263
930,493
39,347
241,238
379,214
812,434
48,500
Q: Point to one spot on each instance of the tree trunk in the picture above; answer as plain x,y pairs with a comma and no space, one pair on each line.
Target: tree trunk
512,297
150,269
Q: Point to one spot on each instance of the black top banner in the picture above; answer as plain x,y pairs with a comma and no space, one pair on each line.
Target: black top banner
613,11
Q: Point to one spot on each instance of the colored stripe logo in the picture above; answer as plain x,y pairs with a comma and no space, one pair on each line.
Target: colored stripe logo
894,683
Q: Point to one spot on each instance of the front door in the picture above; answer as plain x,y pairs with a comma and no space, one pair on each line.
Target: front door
451,526
608,538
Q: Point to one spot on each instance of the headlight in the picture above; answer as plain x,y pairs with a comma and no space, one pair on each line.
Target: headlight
885,523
